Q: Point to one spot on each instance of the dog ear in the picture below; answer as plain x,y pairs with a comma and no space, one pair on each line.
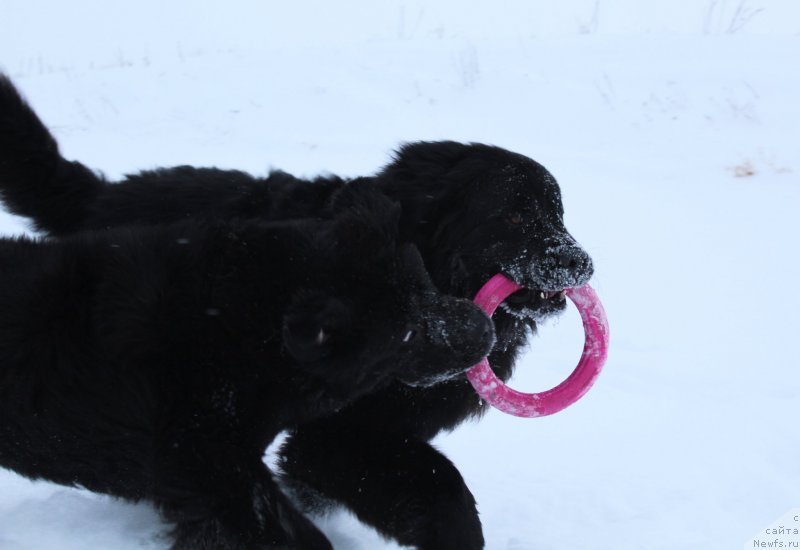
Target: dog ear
426,177
424,161
313,324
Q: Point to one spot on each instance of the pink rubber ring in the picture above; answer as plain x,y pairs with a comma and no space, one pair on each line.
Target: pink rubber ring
595,351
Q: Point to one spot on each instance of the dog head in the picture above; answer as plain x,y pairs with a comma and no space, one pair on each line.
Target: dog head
369,313
476,210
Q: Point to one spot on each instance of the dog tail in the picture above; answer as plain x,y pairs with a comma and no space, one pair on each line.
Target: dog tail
35,180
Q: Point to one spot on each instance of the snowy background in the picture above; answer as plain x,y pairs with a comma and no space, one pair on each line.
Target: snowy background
673,128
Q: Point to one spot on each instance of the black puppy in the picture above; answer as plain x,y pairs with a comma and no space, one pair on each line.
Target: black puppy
159,362
473,210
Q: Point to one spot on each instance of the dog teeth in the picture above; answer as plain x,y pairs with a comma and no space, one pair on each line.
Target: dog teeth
548,295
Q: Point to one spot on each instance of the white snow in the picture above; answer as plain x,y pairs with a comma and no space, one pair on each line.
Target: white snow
672,127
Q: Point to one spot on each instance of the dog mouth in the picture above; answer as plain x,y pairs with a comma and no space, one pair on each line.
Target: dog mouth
540,297
528,295
535,304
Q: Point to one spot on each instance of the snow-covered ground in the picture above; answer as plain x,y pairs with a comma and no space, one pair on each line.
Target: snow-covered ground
674,130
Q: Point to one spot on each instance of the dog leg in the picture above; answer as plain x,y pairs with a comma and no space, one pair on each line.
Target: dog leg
221,499
401,486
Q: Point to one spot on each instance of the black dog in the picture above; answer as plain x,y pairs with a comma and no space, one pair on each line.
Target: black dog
159,362
473,210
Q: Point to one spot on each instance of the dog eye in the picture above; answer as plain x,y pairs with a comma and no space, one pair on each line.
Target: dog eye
515,218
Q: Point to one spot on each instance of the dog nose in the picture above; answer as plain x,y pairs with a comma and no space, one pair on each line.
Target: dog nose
572,264
480,328
568,259
476,335
580,264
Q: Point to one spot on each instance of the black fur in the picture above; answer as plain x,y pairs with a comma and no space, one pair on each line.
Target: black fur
159,362
473,210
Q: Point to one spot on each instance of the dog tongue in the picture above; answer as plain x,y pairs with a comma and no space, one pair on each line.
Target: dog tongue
595,351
